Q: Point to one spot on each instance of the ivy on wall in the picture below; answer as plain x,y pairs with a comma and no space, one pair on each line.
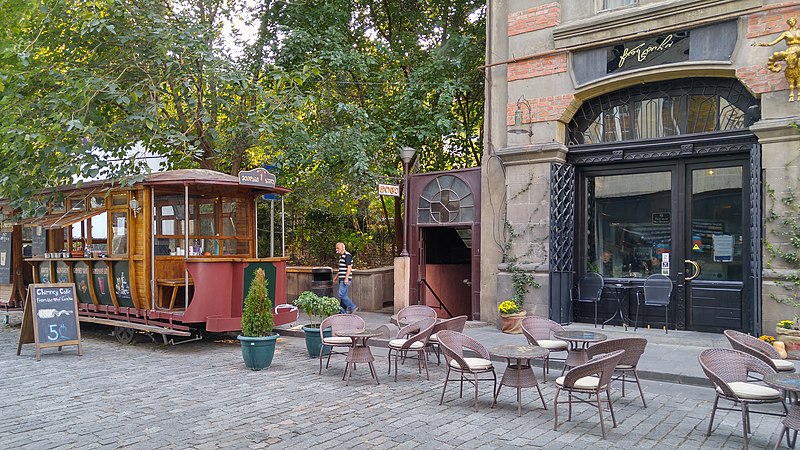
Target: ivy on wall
785,226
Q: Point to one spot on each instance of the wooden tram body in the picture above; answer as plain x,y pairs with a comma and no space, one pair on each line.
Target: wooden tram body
172,254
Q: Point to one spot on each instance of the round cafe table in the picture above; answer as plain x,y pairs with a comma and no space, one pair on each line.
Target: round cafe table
578,343
518,373
359,352
790,384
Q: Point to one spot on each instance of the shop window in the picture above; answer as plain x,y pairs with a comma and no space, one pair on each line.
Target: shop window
629,220
663,109
612,4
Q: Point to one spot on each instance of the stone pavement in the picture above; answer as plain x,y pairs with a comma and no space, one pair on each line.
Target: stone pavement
199,395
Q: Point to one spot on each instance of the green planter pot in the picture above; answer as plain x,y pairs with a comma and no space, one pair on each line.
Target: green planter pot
258,352
314,342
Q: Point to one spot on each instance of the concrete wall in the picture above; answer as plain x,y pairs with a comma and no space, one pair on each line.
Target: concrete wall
371,288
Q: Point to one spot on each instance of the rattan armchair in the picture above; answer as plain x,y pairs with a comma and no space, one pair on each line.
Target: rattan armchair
634,348
413,313
329,343
538,331
729,370
592,378
401,345
455,324
760,349
453,344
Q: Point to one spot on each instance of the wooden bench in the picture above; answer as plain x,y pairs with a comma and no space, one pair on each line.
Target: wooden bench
175,284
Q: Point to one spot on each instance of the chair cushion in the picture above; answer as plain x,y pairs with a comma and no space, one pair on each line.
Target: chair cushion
473,363
397,343
434,337
783,365
624,366
581,383
334,340
552,344
752,391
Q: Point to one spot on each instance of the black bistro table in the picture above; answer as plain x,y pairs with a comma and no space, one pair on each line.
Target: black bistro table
518,373
621,292
789,383
578,343
359,352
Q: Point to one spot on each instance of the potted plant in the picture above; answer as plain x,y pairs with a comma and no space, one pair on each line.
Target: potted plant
511,315
317,308
257,339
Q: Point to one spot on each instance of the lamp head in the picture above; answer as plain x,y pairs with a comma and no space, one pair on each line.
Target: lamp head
518,118
134,204
406,153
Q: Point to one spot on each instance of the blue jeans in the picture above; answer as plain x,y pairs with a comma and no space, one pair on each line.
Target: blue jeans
344,298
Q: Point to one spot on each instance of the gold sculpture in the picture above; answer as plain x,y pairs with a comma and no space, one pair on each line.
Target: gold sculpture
789,56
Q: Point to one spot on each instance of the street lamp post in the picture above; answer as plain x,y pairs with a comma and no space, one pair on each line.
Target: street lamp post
406,154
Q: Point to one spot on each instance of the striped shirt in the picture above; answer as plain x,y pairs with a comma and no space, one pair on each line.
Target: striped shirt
345,260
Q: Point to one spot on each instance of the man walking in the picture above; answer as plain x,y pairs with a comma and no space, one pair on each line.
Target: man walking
345,276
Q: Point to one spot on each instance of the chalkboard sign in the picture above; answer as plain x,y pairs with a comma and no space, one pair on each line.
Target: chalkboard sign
5,257
38,241
50,318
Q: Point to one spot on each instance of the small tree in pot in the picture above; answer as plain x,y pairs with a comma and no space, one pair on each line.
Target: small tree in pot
257,339
317,308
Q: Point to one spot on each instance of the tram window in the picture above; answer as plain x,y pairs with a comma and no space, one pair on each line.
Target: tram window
234,217
119,233
629,223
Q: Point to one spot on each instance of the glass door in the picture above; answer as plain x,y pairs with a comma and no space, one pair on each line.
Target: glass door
716,233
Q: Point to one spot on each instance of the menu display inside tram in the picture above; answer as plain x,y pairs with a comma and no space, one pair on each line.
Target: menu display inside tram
5,258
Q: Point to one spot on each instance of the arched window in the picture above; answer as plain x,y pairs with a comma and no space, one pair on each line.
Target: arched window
446,199
664,109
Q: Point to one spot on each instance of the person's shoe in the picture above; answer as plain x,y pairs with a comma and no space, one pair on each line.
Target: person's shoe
352,310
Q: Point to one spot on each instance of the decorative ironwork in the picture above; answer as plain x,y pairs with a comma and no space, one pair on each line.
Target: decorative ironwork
562,236
755,237
446,199
662,109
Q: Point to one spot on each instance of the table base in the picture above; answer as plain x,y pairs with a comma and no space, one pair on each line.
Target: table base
518,376
359,354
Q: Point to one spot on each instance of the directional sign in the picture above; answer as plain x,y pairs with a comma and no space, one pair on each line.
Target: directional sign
389,189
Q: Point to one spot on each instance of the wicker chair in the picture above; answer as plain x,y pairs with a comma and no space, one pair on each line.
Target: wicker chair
453,344
634,348
657,291
759,349
335,323
729,370
455,324
538,331
401,345
589,290
592,378
413,313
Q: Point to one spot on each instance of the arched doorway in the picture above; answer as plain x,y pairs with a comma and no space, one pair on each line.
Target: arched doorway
666,176
444,241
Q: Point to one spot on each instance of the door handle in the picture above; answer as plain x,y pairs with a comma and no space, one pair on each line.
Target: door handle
696,269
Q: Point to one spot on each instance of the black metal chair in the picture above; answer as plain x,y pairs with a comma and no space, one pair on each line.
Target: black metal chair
589,290
657,292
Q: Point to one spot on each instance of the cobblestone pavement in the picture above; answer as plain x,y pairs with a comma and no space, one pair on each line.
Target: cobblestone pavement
199,395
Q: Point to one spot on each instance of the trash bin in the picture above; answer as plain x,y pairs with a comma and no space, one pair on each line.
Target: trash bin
322,281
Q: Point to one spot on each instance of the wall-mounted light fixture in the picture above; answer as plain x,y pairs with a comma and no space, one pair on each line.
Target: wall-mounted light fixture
519,127
135,208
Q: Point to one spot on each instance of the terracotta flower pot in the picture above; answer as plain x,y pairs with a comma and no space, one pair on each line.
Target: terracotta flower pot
512,323
791,341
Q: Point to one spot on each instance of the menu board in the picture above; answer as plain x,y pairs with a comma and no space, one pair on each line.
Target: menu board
50,318
5,257
38,241
102,288
122,286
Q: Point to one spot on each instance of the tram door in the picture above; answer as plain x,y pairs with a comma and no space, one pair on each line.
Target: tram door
715,247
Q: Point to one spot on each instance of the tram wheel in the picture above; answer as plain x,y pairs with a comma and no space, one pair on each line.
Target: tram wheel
124,335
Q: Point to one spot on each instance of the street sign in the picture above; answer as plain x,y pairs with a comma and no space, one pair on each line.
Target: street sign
389,189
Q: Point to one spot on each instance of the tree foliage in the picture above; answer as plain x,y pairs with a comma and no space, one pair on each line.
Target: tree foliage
327,92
